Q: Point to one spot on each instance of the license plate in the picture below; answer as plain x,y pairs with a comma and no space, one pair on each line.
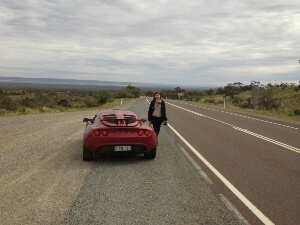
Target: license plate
122,148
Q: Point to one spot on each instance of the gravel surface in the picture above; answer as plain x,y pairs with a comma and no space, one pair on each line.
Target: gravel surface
44,180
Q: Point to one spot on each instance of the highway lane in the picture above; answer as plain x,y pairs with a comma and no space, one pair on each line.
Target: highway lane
280,131
260,158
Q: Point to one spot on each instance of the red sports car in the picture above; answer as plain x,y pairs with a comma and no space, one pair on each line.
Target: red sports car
118,131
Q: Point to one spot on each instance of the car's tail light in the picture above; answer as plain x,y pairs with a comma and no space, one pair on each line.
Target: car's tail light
147,132
97,132
144,132
100,132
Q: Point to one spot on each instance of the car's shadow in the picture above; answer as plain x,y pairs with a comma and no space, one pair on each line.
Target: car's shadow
118,159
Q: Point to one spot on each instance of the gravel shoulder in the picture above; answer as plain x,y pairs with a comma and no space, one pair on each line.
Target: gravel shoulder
41,167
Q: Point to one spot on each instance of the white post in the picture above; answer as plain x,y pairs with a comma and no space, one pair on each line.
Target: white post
121,101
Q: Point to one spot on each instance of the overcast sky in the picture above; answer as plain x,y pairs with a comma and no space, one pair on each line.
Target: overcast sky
180,42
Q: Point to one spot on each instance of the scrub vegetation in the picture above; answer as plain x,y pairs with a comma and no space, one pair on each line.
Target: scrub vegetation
18,102
279,100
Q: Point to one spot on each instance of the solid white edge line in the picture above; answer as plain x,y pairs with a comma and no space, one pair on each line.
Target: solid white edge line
200,171
236,192
233,209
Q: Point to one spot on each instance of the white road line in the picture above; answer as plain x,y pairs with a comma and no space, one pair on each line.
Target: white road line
289,147
233,209
236,192
269,140
198,168
248,117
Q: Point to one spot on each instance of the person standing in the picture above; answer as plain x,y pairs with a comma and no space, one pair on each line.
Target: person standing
157,113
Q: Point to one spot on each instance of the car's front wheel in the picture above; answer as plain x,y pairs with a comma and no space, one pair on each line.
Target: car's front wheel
151,154
87,156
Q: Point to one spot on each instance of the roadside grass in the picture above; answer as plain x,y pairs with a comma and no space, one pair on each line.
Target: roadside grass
44,109
288,101
257,112
32,101
277,102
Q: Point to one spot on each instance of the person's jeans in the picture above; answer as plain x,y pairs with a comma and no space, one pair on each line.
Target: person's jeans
157,121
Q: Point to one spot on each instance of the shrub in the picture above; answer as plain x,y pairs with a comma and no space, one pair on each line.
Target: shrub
209,100
297,112
8,104
28,102
90,102
268,99
64,102
242,102
103,96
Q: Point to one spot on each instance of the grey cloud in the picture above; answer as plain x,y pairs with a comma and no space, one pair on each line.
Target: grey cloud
183,42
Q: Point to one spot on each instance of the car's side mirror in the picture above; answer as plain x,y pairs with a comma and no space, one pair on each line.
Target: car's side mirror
85,120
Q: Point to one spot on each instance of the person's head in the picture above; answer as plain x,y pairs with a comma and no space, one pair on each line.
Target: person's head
156,95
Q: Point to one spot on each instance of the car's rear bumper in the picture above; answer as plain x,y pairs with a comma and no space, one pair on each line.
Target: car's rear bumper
96,145
110,149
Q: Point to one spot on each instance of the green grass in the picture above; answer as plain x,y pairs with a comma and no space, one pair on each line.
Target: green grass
58,109
287,99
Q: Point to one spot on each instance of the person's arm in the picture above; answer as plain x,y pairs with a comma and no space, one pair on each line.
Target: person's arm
150,111
164,111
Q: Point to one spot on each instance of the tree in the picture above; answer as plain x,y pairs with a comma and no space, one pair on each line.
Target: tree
268,99
103,96
209,91
130,92
136,92
125,93
230,90
149,93
179,90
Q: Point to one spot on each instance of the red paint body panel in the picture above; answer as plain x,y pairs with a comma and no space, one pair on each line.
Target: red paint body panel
122,129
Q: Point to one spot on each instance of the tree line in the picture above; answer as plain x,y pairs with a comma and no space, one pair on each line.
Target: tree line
24,101
283,97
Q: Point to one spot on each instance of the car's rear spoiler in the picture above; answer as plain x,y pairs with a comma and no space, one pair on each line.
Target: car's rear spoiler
122,122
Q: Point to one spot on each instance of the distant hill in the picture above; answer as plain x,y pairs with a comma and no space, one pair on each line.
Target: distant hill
51,83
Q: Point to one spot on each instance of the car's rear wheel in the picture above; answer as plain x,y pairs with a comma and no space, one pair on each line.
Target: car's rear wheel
87,156
151,154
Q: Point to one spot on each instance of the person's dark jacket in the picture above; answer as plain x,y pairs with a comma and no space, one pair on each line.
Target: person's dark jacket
163,110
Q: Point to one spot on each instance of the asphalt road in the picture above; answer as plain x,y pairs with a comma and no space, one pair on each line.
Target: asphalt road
258,156
44,180
132,190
